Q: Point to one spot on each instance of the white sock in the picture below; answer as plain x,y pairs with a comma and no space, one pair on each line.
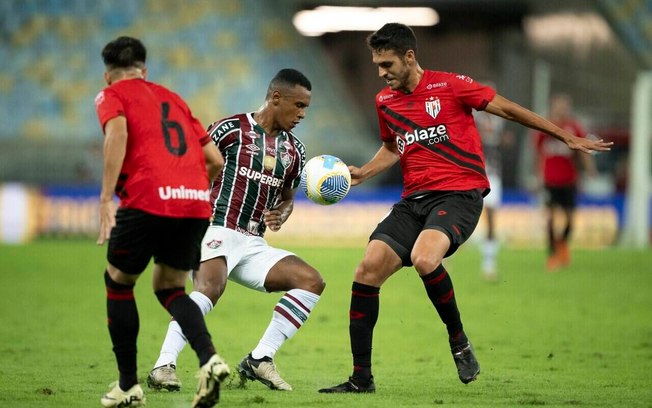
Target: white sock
175,341
489,254
290,313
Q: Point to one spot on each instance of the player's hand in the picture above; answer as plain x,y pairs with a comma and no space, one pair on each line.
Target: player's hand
107,221
273,219
356,175
589,146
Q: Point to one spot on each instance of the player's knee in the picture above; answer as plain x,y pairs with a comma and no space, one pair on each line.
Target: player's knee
313,283
366,273
425,263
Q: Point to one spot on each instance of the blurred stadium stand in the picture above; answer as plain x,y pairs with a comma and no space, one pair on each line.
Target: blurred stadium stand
219,55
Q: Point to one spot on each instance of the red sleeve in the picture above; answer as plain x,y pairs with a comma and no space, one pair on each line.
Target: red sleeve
385,132
108,106
471,92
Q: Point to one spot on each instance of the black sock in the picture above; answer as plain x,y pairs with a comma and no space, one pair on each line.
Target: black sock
363,315
123,324
189,316
439,287
551,238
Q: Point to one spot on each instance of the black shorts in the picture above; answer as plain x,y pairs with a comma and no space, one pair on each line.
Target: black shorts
139,236
564,197
455,213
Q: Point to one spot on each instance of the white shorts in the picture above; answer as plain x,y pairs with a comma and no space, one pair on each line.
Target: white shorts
248,258
494,198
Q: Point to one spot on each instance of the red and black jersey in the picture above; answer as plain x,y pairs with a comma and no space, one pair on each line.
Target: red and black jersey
433,128
558,161
257,167
164,169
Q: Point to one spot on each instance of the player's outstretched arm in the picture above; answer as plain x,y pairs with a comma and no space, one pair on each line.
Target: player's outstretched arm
214,160
385,158
507,109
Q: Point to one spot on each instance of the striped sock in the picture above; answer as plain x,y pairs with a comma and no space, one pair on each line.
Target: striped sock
290,313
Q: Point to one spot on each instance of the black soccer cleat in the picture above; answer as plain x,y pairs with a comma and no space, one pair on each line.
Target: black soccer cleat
467,366
352,386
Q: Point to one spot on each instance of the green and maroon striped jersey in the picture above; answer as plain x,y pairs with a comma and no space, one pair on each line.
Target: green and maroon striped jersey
257,168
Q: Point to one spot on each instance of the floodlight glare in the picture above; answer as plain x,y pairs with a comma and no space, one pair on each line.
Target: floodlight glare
331,19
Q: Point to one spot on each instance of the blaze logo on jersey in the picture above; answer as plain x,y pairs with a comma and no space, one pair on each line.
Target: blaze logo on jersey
428,136
433,106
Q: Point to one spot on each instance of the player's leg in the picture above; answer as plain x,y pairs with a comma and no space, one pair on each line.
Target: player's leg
378,264
273,270
387,251
209,282
129,251
568,206
177,254
451,220
491,245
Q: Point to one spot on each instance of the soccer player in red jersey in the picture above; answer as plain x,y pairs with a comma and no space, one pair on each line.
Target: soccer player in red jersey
426,124
159,161
559,174
263,164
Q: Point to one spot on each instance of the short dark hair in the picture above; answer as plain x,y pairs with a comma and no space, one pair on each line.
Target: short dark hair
289,77
395,37
124,52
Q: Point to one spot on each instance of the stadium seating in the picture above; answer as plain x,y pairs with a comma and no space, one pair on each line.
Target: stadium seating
219,55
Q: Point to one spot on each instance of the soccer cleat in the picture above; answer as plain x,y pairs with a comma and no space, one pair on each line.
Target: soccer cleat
116,398
467,366
262,370
210,376
352,386
164,378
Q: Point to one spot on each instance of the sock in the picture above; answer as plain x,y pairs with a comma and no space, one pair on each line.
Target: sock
489,253
290,313
175,341
363,314
123,323
189,317
439,287
551,238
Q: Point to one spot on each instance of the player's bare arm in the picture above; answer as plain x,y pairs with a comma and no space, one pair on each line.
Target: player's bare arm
115,147
214,160
509,110
385,158
277,216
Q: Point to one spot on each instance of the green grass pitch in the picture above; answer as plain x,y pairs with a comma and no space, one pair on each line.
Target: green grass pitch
580,337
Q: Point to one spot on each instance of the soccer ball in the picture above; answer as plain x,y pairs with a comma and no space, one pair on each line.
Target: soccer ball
325,179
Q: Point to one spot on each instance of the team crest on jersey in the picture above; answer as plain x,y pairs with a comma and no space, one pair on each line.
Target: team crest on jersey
433,106
214,244
286,158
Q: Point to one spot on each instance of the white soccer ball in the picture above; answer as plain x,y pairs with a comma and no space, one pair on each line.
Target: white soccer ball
325,179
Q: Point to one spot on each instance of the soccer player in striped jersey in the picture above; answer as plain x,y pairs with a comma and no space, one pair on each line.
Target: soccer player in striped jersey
426,124
263,164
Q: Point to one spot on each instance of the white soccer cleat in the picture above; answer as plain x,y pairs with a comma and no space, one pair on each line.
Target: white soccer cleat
116,398
164,378
210,376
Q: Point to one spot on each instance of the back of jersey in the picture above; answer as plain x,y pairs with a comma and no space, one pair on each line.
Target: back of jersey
164,171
